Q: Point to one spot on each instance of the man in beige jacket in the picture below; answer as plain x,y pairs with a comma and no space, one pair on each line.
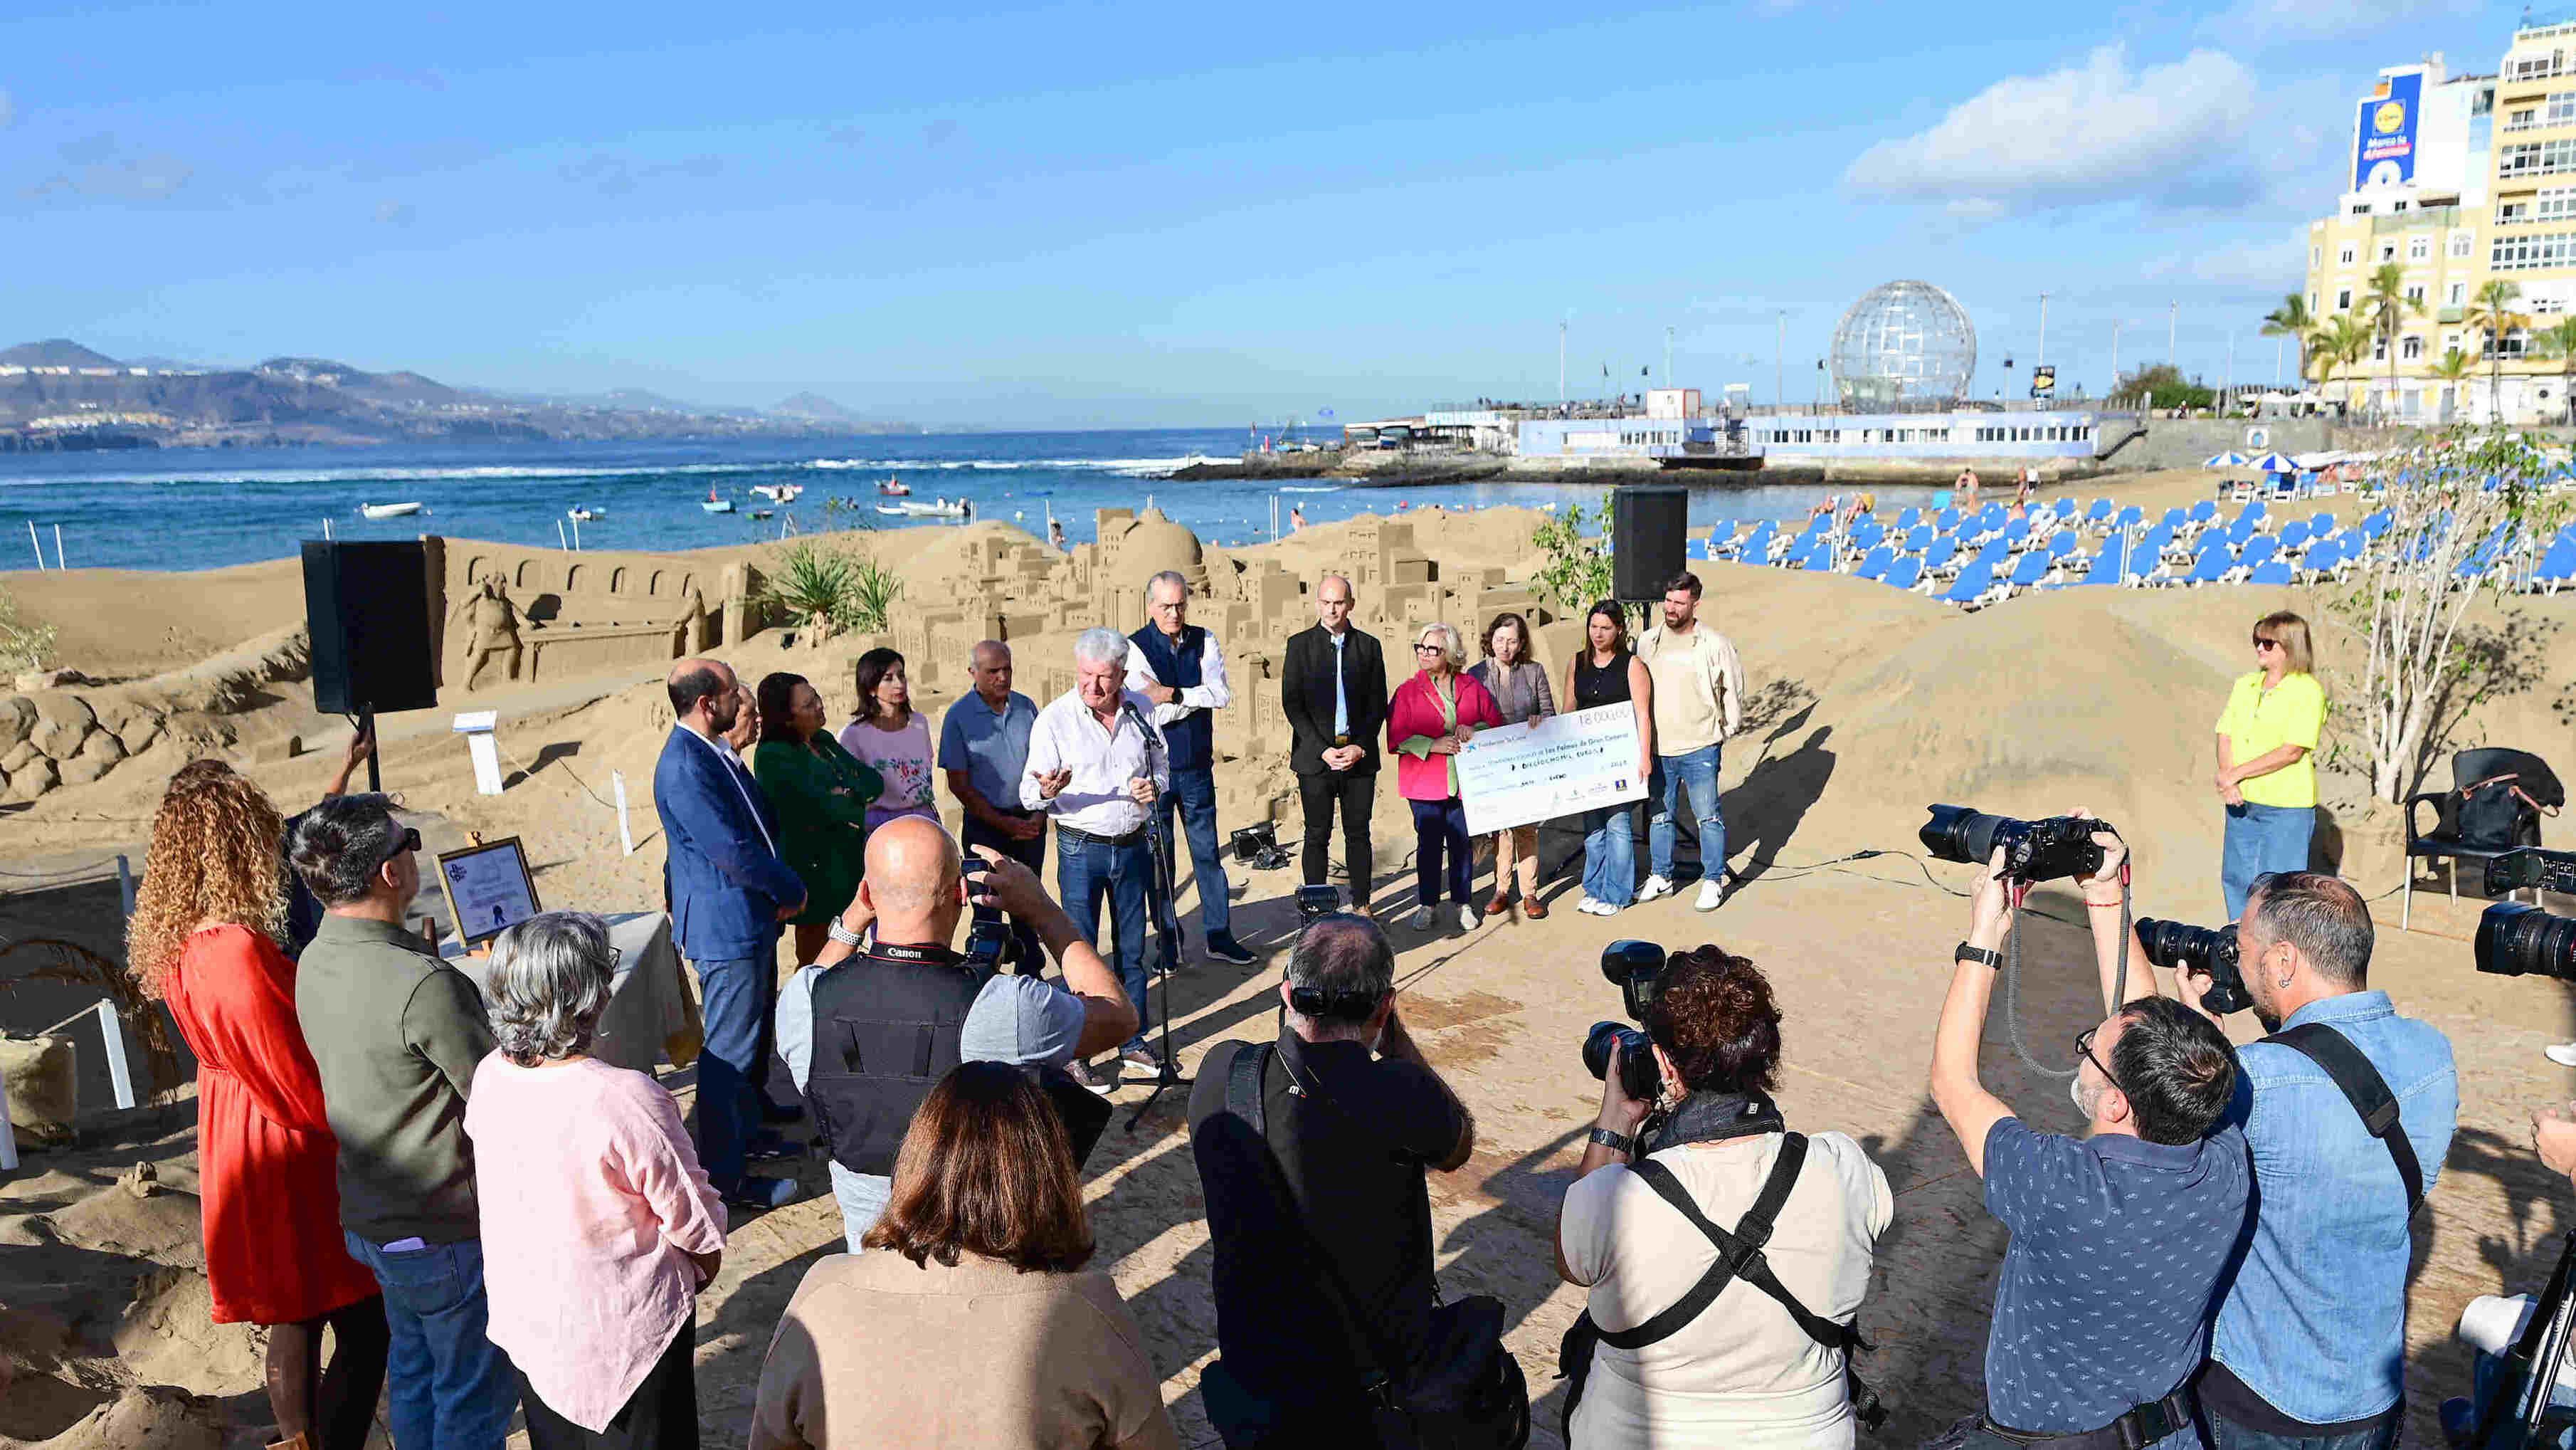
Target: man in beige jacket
1698,703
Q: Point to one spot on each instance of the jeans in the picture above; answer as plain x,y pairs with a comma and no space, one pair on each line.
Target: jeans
451,1388
1440,829
1087,869
1609,856
1354,793
741,1002
1693,774
1193,794
2227,1435
2260,839
1029,954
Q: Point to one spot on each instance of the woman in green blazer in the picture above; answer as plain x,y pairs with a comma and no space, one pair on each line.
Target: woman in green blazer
821,795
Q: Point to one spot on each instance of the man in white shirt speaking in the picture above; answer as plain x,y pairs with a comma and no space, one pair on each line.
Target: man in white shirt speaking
1181,668
1097,764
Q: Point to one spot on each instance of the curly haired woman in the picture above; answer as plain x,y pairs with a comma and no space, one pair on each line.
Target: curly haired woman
204,941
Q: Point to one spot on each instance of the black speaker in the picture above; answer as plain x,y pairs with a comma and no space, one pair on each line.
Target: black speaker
1649,538
375,647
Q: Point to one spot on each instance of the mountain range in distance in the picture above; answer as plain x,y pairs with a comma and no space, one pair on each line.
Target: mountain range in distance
58,394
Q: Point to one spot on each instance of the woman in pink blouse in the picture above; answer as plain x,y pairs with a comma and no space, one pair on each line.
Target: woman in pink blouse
891,738
599,1227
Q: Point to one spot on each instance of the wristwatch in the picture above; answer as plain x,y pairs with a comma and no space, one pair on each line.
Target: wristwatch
1615,1142
1967,953
843,934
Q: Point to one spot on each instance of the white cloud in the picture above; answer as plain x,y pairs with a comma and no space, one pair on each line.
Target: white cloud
2268,22
2093,132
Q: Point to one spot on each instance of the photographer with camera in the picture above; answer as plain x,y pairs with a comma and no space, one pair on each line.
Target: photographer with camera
851,1024
1311,1153
1684,1343
2119,1238
2348,1109
2493,1324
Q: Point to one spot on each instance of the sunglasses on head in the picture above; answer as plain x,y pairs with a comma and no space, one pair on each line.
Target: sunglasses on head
410,842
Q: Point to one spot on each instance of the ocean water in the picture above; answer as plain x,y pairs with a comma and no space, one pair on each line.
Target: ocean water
191,508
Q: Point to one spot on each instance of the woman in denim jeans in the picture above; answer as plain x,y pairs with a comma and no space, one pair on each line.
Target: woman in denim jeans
1609,673
2266,780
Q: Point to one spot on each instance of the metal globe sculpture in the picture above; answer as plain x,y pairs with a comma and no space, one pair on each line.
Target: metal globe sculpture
1904,346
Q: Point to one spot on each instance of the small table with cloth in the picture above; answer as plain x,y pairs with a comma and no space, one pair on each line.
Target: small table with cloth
651,1017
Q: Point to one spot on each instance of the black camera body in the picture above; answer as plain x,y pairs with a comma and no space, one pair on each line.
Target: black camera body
1317,902
2515,940
1636,968
2208,950
989,935
2040,850
2532,867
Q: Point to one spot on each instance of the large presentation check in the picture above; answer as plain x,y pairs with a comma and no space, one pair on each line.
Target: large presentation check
1563,764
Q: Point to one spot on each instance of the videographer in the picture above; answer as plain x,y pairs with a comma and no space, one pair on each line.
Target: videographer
1313,1171
1744,1368
2119,1239
868,1000
2310,1345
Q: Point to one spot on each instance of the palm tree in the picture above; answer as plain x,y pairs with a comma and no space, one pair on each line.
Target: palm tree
2292,320
2387,304
2452,370
2343,342
2558,340
2492,313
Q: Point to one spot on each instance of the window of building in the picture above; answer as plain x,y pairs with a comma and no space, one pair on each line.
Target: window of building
2388,251
2411,349
2462,244
2546,305
2415,294
2530,251
2522,118
2361,208
2398,205
2562,108
2343,299
2419,249
2451,341
2345,256
2457,296
2379,348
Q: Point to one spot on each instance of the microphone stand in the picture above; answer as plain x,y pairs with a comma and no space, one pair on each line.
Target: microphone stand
1162,921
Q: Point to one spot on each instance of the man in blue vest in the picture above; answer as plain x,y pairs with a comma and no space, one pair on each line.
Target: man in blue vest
1181,668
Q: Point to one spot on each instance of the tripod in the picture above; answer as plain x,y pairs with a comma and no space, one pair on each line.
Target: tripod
2531,1366
1162,922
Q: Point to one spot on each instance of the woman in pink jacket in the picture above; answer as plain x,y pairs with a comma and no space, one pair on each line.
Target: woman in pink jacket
1431,716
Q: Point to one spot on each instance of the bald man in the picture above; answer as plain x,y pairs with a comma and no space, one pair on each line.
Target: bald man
866,1000
728,891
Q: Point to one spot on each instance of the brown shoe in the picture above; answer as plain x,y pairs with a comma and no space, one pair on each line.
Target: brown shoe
1498,906
1533,909
300,1440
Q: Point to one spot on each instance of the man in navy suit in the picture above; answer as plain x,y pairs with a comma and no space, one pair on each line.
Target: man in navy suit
728,891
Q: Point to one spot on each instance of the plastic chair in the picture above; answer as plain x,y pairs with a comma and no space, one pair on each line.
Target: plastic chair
2130,517
2203,511
2558,563
1905,573
2494,805
1946,520
2211,566
1908,517
1875,563
1972,584
2032,568
2063,544
1994,552
1943,550
2271,571
2099,513
2294,533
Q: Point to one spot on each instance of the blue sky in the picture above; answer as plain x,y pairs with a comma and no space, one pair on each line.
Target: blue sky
1129,214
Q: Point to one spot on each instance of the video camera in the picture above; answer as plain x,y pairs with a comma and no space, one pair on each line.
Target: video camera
2515,940
2208,950
2034,851
1636,969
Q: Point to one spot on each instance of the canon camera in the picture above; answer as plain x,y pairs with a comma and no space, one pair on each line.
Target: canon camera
2515,940
1635,968
2208,950
2040,850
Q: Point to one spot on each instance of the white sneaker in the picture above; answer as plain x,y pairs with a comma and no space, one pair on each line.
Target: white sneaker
1597,908
2561,1053
1422,918
1586,904
1468,920
1655,886
1711,892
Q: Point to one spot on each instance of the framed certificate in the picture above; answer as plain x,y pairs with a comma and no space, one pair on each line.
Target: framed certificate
488,888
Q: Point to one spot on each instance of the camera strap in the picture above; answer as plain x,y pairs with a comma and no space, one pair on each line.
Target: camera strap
2366,1090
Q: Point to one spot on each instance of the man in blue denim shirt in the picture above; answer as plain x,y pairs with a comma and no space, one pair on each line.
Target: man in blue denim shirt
2310,1348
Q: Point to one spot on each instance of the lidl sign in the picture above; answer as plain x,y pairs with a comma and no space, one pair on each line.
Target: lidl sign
2384,154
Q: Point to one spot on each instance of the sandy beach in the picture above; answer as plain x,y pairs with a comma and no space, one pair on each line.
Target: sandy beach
1869,703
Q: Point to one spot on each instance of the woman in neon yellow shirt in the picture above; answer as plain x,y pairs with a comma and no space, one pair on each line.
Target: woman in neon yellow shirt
2266,778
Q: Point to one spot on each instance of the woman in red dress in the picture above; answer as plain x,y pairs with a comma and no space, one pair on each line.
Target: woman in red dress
203,940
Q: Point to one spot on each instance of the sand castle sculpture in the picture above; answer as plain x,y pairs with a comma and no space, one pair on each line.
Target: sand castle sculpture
512,616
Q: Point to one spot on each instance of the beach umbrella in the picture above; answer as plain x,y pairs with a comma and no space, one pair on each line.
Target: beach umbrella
2276,463
2230,459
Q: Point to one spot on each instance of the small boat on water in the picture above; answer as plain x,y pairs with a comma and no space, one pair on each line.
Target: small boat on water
762,513
894,488
389,510
716,503
942,509
778,492
585,513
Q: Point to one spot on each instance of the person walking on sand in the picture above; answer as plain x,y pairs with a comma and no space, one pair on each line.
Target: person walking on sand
204,941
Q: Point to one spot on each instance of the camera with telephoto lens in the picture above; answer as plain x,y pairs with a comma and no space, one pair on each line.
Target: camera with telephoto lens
1635,968
2515,940
2033,850
2208,950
